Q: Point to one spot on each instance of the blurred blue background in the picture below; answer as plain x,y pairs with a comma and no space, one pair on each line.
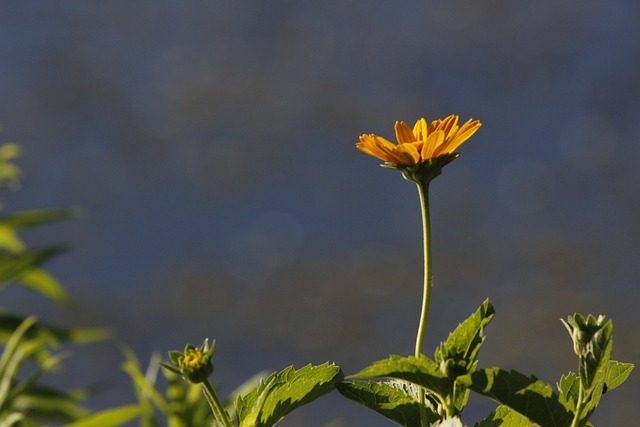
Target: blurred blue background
211,146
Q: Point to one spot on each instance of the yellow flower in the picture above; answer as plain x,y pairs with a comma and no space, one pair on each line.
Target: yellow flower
193,358
423,143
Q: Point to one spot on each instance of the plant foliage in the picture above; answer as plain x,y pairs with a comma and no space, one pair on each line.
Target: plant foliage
282,392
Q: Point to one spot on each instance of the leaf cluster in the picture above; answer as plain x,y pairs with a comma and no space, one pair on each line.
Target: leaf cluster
22,398
445,395
29,347
524,400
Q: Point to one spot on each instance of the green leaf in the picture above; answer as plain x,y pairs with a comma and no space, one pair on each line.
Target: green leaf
528,395
23,268
616,373
21,265
48,333
45,284
48,403
14,264
504,416
458,355
145,390
109,418
33,218
12,419
285,391
10,241
16,352
421,371
569,387
463,344
20,391
394,400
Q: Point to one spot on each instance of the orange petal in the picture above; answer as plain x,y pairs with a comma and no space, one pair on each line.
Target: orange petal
465,132
392,152
434,141
434,126
403,133
469,128
369,144
409,154
420,130
450,125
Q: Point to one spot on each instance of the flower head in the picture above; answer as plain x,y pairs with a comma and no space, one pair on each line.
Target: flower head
423,150
194,363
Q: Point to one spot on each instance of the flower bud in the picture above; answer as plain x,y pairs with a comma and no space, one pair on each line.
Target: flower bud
453,368
194,364
583,330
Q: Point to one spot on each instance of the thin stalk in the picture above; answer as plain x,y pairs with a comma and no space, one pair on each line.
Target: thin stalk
217,407
579,405
449,408
423,190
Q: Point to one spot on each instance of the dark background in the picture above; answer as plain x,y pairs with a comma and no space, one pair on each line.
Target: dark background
211,147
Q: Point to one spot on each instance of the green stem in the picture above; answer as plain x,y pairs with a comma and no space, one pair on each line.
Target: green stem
579,405
449,408
217,407
423,190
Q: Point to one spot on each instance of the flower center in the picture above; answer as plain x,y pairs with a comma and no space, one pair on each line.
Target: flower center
192,359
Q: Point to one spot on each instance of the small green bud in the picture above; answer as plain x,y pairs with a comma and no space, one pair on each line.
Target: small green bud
194,364
583,330
453,368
